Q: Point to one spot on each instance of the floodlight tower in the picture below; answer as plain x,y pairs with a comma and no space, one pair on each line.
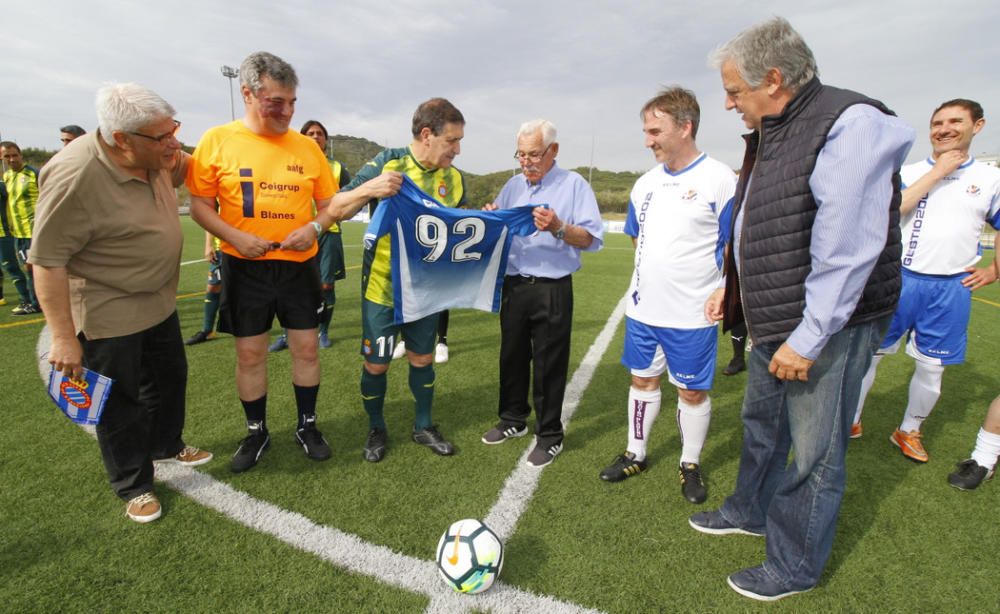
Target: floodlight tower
230,73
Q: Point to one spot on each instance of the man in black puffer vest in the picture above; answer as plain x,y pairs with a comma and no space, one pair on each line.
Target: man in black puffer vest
813,269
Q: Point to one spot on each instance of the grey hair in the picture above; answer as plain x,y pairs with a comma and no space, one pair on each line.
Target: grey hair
126,107
262,64
769,44
547,128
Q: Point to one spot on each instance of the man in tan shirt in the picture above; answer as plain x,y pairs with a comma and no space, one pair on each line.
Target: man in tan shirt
107,259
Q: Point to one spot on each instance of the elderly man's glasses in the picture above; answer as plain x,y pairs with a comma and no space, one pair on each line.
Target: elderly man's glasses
532,156
164,138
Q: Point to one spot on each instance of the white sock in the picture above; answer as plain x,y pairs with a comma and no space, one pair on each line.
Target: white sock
866,385
925,388
643,408
692,422
987,449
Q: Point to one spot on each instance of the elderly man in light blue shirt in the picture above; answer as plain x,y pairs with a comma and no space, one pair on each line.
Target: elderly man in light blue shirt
536,311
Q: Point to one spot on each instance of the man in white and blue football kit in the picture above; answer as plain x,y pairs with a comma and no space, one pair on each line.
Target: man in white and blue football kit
946,200
678,218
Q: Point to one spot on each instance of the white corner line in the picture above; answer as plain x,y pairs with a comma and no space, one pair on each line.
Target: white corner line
380,563
520,486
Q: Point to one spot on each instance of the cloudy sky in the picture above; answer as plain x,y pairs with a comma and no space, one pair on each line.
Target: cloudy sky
586,65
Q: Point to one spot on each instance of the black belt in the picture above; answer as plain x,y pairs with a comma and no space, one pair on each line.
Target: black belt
532,280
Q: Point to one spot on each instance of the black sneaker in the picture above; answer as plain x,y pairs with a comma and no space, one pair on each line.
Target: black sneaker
25,309
692,486
624,466
756,583
735,366
375,445
969,475
251,448
714,523
501,433
312,440
431,438
200,337
540,456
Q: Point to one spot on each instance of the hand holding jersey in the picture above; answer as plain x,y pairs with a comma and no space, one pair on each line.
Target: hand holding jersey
347,202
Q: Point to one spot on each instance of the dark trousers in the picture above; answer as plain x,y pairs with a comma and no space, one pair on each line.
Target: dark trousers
536,317
144,415
22,247
8,260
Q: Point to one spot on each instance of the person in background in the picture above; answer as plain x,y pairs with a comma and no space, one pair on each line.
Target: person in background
332,265
68,133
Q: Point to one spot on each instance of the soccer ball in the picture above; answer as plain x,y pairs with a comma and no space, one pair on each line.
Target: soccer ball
469,556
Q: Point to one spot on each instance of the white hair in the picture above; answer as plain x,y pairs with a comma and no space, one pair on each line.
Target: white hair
126,107
769,44
547,128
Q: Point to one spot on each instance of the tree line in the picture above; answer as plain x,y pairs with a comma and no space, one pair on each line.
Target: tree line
611,188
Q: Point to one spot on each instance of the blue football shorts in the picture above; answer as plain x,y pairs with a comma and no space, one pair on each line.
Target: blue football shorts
933,314
687,355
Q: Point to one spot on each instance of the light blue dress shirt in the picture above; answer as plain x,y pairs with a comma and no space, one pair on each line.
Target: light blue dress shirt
852,186
569,195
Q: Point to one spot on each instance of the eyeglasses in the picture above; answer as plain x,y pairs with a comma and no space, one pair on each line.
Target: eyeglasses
532,157
164,138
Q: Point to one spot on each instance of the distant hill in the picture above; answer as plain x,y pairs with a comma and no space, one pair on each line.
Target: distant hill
612,189
353,151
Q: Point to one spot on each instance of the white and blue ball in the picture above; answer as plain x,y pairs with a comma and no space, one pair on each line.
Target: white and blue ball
469,556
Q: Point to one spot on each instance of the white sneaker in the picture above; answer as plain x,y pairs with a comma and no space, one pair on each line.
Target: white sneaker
400,350
441,353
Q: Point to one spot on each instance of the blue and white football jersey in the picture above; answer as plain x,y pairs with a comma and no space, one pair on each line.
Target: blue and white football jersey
941,234
444,257
680,222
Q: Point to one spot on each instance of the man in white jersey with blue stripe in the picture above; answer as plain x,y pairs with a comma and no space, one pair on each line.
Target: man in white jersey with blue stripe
946,200
679,220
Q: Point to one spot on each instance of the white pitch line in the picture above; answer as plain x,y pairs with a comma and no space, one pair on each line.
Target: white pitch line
349,551
522,482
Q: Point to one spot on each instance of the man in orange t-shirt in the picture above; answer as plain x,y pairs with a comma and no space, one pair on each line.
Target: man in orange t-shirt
265,179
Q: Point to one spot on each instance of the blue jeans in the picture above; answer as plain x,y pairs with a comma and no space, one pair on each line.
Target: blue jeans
796,503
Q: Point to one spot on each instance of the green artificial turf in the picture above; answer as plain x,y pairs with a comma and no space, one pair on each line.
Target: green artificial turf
906,540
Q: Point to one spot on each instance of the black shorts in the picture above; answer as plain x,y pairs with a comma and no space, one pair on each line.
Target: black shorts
257,290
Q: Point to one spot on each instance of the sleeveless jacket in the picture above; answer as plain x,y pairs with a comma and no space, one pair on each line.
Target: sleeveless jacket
778,214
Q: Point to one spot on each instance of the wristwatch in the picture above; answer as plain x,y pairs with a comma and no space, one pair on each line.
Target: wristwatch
561,233
317,227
